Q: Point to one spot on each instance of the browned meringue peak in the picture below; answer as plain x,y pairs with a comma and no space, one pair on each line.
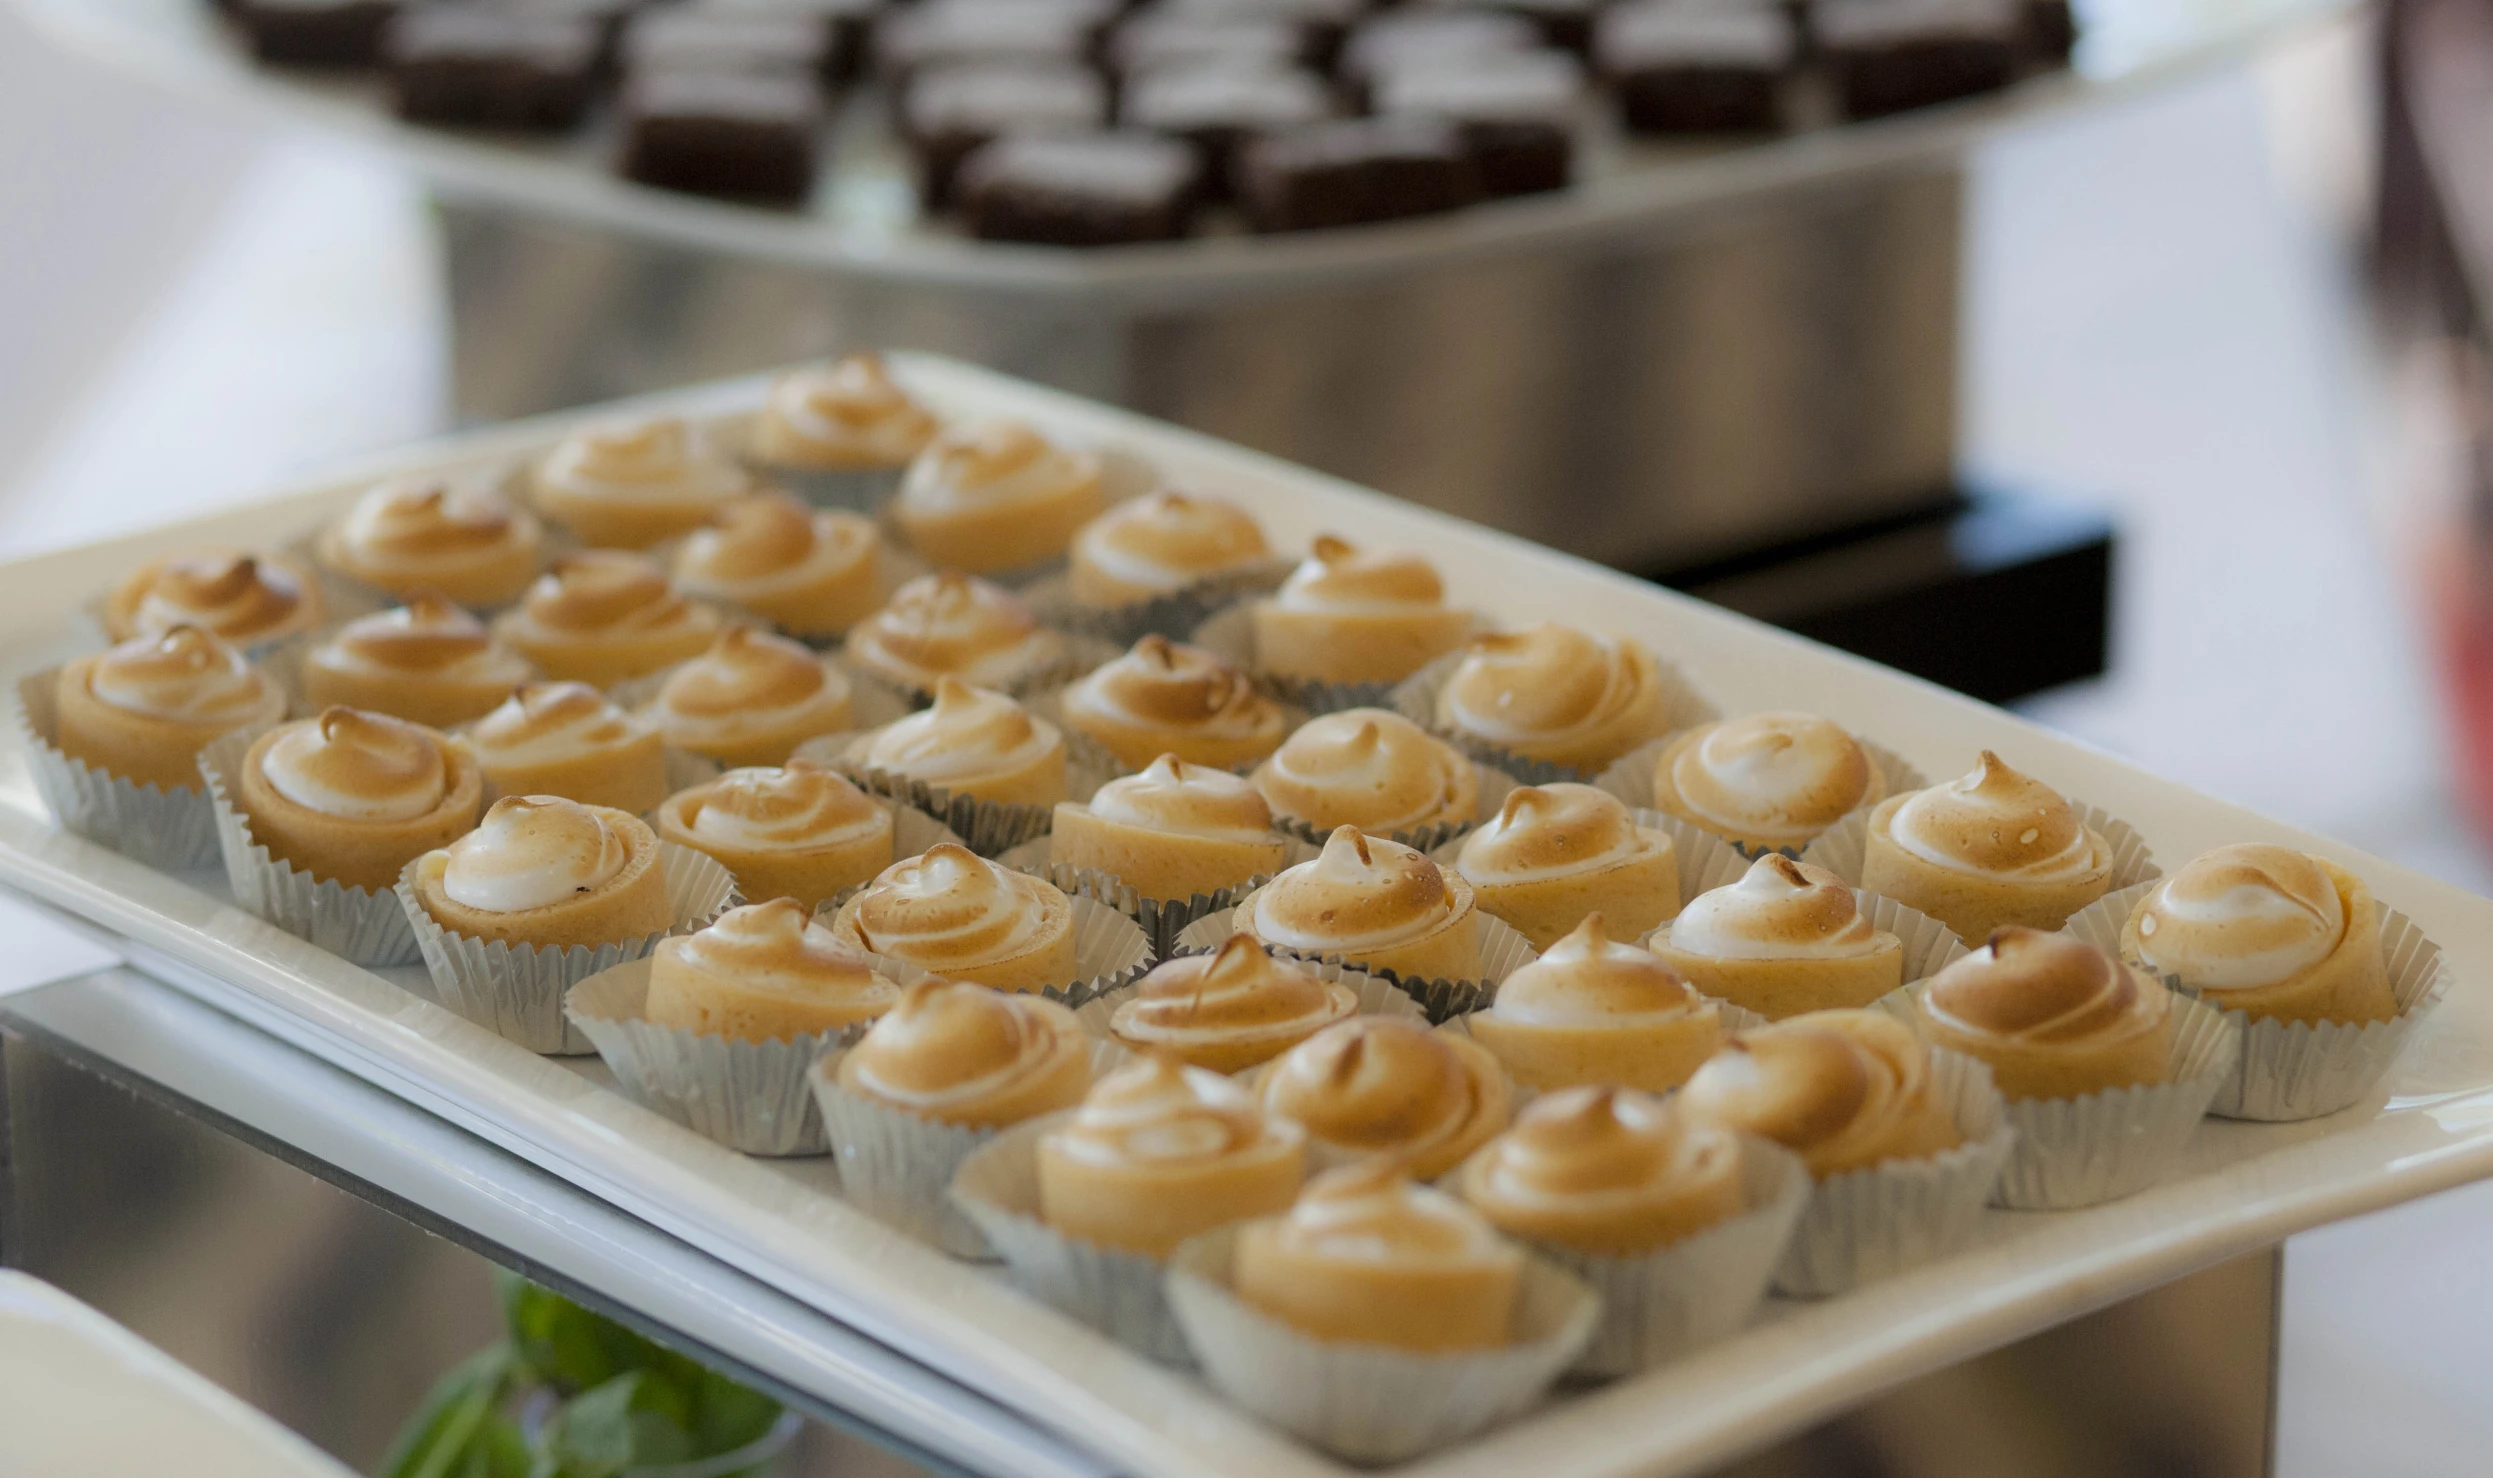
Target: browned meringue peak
1163,683
1165,539
1335,576
949,1044
358,766
1997,821
1372,1212
965,732
241,597
953,623
429,518
1778,910
777,947
1193,800
602,591
532,851
186,674
851,407
1159,1111
1237,990
547,720
1360,890
747,670
1545,682
993,462
657,457
427,635
1374,1082
2029,986
800,804
748,540
1597,1141
1545,831
1817,1083
1777,775
2242,916
949,908
1370,768
1588,977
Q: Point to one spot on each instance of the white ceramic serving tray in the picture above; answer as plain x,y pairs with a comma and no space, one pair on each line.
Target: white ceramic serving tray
2244,1187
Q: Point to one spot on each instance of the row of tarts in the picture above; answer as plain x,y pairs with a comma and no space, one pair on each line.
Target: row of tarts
1271,964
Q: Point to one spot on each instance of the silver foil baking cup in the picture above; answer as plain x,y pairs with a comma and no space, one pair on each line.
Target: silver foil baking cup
1503,951
1870,1223
1372,1403
988,828
750,1096
359,925
173,830
1230,635
2293,1070
2099,1147
1493,785
1162,919
1843,848
897,1166
517,991
1378,996
1109,949
1174,614
1630,778
1415,698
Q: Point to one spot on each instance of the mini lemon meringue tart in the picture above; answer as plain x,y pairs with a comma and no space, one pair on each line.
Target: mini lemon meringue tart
1372,902
429,533
247,599
799,831
428,662
2277,934
761,973
1844,1090
2053,1015
1996,847
1159,543
1159,1152
1766,781
1388,1085
1555,853
1230,1009
1607,1172
631,484
605,616
814,574
143,710
1787,938
1173,831
1344,616
540,871
1367,1257
1557,694
845,416
997,496
570,740
954,625
958,1053
1372,769
350,796
953,912
751,699
971,742
1163,698
1596,1010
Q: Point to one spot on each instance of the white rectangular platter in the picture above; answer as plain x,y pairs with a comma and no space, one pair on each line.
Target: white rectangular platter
2245,1186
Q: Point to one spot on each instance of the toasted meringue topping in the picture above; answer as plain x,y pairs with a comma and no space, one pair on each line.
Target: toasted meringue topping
426,637
429,522
1238,993
769,542
954,625
1337,579
1778,910
605,592
1156,1110
653,461
1369,768
850,411
186,675
240,597
1377,1083
1546,685
777,947
993,463
968,732
798,806
546,722
748,680
1998,822
1815,1082
1191,800
1373,1213
358,766
1547,831
1780,776
1167,540
532,851
1359,893
1593,1146
2029,986
950,909
2241,917
1590,979
949,1045
1160,684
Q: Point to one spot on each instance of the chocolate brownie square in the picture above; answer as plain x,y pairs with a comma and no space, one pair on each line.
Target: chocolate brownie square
1679,68
1156,42
1217,108
947,111
1354,171
1517,114
938,33
745,134
703,38
316,33
1087,189
1408,38
1887,56
485,66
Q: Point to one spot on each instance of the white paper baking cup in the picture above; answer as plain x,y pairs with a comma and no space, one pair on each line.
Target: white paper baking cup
748,1095
2292,1070
1842,848
1630,778
1174,614
1373,1403
1867,1224
1503,951
1378,996
897,1166
988,828
1493,785
1230,635
1162,919
173,830
2099,1147
1415,698
359,925
1109,949
517,991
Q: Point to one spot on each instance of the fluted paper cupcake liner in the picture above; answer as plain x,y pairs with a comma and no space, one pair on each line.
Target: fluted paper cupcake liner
1174,614
1372,1403
1503,951
988,828
517,991
1843,848
1494,787
1162,919
1230,635
1378,996
1867,1224
2099,1147
1415,698
1109,949
1630,778
362,926
1704,861
839,489
172,829
2292,1070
